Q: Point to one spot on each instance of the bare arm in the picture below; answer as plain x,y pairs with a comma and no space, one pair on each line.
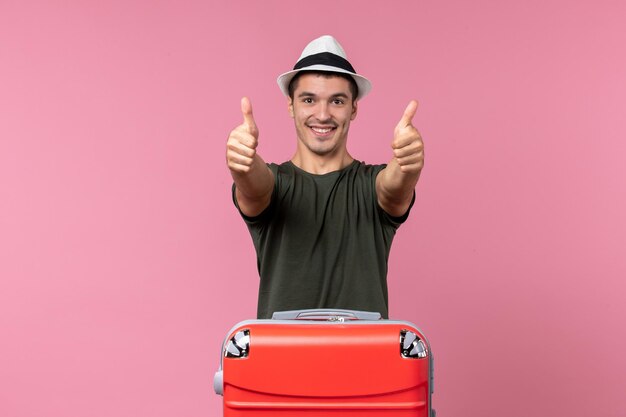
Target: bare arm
395,184
254,181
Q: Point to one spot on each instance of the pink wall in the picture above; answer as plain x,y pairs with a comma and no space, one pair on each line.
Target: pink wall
123,262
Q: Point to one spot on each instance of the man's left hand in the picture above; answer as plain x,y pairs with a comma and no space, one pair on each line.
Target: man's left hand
407,145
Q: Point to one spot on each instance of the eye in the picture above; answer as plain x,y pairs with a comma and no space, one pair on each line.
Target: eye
307,100
338,101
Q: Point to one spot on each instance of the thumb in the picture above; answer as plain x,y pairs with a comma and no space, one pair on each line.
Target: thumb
248,118
409,112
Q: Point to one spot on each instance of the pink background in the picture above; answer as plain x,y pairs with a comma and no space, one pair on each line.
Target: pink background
123,262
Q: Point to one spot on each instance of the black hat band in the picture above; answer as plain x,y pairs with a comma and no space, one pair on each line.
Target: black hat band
325,58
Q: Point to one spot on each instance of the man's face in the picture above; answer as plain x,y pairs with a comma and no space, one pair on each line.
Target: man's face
322,109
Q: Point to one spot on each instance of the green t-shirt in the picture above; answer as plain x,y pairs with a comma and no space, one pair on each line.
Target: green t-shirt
323,242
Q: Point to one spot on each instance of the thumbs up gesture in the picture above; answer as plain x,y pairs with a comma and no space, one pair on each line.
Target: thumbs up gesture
243,141
407,145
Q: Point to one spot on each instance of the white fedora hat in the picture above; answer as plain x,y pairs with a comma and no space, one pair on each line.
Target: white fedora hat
324,54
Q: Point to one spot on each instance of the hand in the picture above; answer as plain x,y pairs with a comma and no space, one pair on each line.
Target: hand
407,145
242,141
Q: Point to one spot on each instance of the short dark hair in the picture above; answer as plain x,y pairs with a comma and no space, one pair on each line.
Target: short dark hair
354,89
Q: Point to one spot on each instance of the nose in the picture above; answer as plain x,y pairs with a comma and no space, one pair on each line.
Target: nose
322,112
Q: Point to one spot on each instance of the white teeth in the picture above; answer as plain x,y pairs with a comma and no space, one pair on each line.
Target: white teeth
318,130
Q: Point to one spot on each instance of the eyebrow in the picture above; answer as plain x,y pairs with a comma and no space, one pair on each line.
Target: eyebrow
308,94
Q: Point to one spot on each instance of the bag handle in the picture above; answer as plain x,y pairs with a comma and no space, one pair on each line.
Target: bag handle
326,314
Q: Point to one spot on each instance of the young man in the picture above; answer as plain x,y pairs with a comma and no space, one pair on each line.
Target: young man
322,223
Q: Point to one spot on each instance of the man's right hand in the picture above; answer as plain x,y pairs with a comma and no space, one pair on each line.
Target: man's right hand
254,181
242,141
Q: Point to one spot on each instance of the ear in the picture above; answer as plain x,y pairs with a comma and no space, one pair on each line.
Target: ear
354,109
290,107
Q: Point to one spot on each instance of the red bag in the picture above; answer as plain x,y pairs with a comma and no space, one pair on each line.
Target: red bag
324,363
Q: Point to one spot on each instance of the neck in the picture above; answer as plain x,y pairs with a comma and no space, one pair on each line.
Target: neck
319,164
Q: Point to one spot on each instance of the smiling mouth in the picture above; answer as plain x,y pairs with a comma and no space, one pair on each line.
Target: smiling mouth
322,131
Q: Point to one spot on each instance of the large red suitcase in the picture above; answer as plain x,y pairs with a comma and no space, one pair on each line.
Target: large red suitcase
326,363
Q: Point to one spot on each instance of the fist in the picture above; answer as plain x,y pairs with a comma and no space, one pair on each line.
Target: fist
242,141
407,145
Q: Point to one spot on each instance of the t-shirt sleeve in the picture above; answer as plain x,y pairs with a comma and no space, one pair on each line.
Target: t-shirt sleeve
401,219
394,221
265,214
